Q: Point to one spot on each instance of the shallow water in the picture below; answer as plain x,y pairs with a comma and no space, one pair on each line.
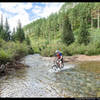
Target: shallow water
38,81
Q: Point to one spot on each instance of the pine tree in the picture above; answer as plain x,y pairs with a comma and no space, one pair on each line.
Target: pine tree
7,31
83,34
2,34
1,23
67,35
20,36
1,28
13,35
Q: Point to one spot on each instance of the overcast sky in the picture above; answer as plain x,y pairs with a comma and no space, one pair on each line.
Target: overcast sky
27,11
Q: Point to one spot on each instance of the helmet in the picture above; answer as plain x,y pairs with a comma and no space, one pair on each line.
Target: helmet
56,51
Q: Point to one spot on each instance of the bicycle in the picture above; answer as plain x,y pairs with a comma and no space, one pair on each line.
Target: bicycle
56,65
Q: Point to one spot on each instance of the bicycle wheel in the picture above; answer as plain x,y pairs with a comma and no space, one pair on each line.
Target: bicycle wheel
62,65
54,67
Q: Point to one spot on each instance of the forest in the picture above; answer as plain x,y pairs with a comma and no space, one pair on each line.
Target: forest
70,30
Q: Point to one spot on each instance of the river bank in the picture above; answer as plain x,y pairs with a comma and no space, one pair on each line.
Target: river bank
76,58
10,68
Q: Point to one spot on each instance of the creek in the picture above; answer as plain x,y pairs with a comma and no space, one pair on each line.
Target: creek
37,81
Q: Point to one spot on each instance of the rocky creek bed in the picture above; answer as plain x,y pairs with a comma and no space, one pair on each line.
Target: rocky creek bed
36,80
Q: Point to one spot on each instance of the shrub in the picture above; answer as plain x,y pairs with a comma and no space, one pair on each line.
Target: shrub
66,51
21,48
5,56
74,48
93,49
51,48
30,51
84,34
2,42
45,52
11,50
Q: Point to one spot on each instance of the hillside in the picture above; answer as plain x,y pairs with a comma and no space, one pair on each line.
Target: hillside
47,32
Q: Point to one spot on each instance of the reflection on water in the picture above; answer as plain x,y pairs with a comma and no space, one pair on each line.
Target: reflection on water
36,80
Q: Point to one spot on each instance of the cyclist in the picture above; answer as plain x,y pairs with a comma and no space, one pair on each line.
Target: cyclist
59,57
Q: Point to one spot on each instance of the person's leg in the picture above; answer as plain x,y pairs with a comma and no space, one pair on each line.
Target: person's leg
60,63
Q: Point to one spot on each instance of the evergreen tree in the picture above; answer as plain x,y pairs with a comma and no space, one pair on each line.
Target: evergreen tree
20,36
7,31
2,34
67,35
13,35
1,27
1,23
83,33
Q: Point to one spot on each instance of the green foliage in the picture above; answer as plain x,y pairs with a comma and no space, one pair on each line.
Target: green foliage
7,31
2,42
76,32
46,52
4,30
5,56
27,39
95,35
46,32
12,50
68,36
51,48
83,36
20,35
92,48
21,48
66,51
73,49
45,35
76,48
30,51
